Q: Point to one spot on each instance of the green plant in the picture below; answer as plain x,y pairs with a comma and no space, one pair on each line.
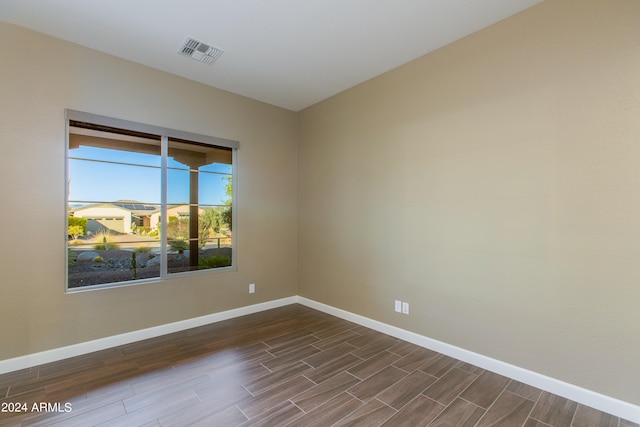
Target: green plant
75,231
209,221
71,257
227,213
178,246
210,218
142,230
178,229
98,259
77,221
142,249
107,245
214,261
134,265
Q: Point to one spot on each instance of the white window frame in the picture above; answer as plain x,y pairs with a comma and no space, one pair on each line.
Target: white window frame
165,134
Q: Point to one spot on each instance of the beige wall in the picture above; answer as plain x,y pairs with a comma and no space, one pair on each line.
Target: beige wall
39,78
494,185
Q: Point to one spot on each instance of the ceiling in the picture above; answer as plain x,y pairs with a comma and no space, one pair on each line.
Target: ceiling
289,53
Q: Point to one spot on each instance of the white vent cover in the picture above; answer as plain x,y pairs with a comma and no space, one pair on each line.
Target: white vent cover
200,51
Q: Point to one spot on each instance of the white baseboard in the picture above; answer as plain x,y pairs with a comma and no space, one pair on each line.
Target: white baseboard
583,396
30,360
622,409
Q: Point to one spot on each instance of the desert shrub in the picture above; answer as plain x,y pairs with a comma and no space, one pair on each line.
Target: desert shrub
134,265
77,221
71,257
178,246
107,244
214,261
98,259
142,249
75,231
227,215
178,229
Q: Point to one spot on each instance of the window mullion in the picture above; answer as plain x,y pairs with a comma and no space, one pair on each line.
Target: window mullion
164,220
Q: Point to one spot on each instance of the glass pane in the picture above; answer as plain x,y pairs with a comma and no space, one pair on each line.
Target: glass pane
180,258
110,182
116,238
113,147
199,156
102,248
207,245
115,156
172,163
178,184
95,267
217,168
212,189
114,206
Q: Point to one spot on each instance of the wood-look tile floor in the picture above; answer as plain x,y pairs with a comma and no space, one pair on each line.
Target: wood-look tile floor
290,366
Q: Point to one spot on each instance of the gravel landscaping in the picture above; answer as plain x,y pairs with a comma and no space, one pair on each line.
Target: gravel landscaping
117,265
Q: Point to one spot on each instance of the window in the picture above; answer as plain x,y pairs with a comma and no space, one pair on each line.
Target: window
144,202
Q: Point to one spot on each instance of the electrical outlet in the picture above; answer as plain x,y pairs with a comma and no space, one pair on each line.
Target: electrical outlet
398,306
252,288
405,308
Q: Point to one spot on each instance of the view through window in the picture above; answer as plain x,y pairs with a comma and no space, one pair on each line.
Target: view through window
144,206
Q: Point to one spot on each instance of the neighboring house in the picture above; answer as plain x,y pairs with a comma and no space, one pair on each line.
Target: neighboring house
180,211
117,217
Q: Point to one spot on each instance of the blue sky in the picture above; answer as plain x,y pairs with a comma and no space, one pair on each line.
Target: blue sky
96,181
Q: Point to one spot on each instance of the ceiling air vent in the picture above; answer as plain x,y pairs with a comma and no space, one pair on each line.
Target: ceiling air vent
200,51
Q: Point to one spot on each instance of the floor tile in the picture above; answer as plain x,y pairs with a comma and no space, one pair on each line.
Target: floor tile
319,394
403,348
272,397
377,383
438,365
460,414
447,387
289,365
374,364
415,359
375,346
524,390
279,415
373,413
589,417
229,417
332,368
333,340
554,410
330,412
508,410
485,389
405,390
291,356
273,379
419,412
534,423
329,354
